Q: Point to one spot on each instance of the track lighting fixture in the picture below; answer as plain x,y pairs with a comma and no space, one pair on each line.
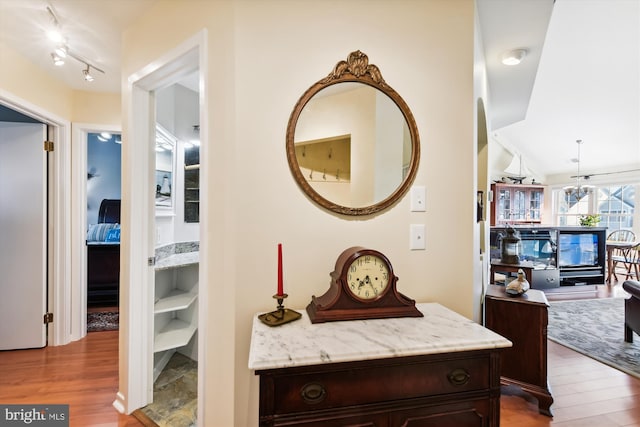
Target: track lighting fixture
62,50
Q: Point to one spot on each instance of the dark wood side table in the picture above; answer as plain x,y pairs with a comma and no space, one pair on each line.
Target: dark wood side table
523,320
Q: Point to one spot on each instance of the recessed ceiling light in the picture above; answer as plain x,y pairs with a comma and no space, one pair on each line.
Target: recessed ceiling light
513,57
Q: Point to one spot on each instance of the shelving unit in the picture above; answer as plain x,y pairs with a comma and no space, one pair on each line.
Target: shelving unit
517,204
175,310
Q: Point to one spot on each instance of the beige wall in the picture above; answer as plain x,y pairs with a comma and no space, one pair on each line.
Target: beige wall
24,81
96,108
262,55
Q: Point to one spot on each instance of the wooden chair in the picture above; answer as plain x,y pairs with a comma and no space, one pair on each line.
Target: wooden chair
632,263
621,257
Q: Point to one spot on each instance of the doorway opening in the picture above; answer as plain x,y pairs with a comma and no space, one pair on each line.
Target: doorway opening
154,212
103,164
56,246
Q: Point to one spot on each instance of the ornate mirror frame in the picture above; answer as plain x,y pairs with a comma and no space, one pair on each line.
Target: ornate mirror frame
355,69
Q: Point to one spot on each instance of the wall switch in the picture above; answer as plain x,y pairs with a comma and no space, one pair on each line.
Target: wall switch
416,237
418,196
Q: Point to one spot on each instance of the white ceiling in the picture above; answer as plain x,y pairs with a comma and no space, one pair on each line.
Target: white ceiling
580,80
93,30
587,84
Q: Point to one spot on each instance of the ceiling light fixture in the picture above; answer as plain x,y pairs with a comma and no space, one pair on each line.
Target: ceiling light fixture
62,50
578,191
513,57
57,60
87,74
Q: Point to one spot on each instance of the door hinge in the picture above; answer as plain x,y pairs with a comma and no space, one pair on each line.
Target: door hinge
48,146
151,261
48,318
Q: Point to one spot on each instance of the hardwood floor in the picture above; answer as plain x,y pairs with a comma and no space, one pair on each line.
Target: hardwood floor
84,374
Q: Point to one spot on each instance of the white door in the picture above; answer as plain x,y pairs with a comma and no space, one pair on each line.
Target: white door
23,235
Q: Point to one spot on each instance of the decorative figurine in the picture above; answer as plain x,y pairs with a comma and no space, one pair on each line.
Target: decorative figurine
518,286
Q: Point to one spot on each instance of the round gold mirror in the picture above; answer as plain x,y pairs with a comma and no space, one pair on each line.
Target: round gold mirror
352,142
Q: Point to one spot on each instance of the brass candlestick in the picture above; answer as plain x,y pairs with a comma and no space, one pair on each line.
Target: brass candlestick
281,315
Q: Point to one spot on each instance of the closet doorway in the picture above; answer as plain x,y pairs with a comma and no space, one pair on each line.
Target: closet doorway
151,233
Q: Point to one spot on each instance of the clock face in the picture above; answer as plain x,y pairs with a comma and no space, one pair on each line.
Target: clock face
368,277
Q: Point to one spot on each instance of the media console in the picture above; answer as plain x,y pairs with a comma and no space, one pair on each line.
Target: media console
560,256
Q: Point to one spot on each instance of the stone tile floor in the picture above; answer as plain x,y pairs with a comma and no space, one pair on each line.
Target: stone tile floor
175,394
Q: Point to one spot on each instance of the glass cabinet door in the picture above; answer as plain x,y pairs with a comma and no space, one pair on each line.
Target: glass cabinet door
504,205
519,205
535,204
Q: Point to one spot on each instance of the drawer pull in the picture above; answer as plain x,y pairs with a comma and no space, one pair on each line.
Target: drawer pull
458,377
313,393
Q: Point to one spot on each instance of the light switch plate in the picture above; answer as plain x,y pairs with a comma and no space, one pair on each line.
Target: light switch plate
416,237
418,198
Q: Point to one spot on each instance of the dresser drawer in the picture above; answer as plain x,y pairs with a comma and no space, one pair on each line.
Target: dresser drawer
340,385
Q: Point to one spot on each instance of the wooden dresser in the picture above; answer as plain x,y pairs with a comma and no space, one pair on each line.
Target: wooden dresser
523,320
438,370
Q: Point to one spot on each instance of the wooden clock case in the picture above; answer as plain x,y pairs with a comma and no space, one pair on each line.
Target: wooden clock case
338,303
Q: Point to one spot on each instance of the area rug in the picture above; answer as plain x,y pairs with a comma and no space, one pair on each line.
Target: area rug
595,328
102,321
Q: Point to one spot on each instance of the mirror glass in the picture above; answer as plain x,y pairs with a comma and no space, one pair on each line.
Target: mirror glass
352,143
165,168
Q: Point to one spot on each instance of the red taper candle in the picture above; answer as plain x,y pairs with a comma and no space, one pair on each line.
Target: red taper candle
280,286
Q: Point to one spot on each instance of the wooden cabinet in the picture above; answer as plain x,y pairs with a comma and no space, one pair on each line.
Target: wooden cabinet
438,370
523,320
454,389
517,204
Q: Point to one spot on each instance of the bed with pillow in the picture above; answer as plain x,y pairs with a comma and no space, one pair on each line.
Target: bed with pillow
103,256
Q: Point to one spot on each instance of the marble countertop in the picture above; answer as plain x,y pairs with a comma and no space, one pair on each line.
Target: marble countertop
302,343
178,260
177,255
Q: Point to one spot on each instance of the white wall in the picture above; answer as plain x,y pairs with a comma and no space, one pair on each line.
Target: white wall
262,56
177,110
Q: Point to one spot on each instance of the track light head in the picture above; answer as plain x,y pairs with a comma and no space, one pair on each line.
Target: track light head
87,74
57,60
61,51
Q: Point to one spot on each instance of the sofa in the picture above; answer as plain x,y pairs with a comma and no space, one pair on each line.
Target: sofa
103,256
631,309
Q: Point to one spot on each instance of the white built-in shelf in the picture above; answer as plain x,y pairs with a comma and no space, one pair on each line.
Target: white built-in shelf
176,334
177,299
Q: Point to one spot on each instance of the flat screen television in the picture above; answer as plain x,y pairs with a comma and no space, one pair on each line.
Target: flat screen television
578,249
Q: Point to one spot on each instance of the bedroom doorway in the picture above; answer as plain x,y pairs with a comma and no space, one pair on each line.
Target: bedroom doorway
104,174
99,172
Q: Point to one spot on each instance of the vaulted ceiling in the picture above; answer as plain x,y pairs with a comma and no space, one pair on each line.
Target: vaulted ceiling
586,86
580,79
